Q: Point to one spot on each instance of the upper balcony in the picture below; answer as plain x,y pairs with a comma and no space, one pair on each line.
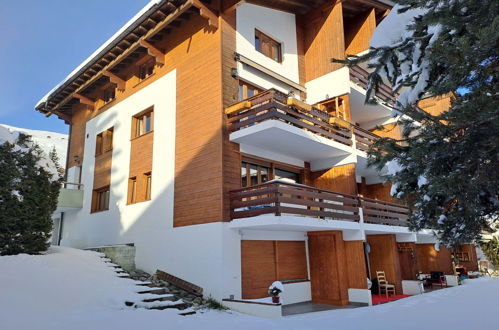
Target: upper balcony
70,197
280,198
278,124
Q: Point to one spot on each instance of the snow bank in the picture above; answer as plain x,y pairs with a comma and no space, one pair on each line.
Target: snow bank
73,289
45,139
11,134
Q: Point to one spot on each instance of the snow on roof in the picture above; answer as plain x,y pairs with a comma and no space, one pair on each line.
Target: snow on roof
152,4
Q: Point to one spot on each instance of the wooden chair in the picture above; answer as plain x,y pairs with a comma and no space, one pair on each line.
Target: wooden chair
383,283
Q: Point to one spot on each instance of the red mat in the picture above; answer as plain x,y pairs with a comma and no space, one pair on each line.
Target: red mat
380,299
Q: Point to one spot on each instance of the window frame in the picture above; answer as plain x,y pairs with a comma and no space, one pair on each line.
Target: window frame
97,195
272,167
148,186
264,44
132,190
244,87
104,141
139,119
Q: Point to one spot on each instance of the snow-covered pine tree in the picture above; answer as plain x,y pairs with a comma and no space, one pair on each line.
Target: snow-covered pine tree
446,165
29,188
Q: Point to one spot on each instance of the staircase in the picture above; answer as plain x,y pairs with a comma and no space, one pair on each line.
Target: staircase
153,295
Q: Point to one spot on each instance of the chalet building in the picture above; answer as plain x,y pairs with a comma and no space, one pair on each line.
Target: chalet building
221,140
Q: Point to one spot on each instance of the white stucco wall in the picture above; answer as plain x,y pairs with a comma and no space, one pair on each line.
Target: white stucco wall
330,85
279,25
207,255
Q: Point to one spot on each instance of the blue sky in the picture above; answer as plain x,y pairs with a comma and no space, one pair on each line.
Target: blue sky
43,41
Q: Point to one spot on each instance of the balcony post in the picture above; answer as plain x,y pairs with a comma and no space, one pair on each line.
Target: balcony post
354,140
361,211
277,203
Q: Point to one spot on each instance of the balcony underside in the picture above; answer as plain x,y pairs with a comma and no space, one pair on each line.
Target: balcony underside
275,136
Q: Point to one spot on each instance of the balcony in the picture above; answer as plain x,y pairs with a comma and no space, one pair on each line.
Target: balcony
277,124
70,197
280,198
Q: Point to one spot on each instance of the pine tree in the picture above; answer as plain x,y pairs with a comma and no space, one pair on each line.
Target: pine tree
491,250
28,197
447,163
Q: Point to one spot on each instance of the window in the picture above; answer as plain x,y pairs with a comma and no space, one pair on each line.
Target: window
255,172
132,190
246,90
142,123
99,144
268,46
104,142
109,94
100,199
146,69
148,180
285,174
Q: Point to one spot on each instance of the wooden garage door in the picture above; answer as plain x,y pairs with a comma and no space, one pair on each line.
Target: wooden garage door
263,262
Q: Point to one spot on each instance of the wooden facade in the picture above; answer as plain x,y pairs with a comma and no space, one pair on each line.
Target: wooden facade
383,256
358,32
431,260
339,179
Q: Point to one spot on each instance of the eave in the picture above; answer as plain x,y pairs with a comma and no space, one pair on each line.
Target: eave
157,19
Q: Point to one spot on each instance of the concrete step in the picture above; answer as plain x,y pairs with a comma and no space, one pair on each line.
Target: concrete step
187,311
153,291
164,297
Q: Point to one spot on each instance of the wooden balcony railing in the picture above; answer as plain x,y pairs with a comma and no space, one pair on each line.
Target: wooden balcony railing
385,213
360,77
363,138
275,105
278,197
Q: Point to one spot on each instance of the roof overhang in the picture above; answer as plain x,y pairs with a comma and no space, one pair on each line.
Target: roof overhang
157,18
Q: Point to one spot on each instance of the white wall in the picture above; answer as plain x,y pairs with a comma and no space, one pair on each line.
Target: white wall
329,85
194,253
279,25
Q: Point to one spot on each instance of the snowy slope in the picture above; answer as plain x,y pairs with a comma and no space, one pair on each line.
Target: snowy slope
74,289
46,140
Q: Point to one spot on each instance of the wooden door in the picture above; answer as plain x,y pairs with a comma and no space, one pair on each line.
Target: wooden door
327,268
408,265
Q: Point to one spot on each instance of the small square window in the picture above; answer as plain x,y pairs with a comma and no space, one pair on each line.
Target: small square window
268,46
146,69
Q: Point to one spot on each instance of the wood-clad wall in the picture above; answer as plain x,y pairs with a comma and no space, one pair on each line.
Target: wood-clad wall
231,154
379,191
355,264
263,262
383,256
358,32
77,140
437,104
328,268
141,157
323,39
431,260
198,152
391,131
472,263
102,170
338,179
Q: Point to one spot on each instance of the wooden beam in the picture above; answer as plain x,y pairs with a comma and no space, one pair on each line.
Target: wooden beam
205,12
84,100
230,5
153,51
120,83
132,48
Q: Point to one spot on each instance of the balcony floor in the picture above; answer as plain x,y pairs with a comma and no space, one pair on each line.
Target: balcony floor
278,137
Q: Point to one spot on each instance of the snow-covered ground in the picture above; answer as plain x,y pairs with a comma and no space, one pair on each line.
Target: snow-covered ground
45,139
73,289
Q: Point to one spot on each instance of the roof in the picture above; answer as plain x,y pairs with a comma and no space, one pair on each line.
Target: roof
130,25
